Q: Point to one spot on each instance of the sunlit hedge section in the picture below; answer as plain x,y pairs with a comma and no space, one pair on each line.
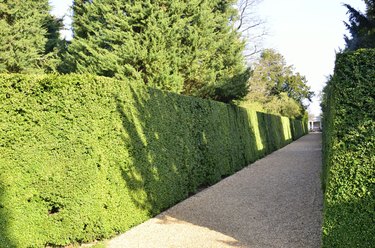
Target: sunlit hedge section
84,158
349,152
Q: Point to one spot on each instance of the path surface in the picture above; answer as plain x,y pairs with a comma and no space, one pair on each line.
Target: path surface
275,202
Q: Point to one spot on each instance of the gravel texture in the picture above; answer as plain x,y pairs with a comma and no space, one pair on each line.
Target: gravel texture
274,202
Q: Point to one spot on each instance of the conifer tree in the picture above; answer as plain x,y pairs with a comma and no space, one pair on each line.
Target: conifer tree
361,27
53,26
183,46
24,36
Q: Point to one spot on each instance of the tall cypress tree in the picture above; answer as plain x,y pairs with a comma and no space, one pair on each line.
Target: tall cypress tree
215,63
183,46
361,27
24,35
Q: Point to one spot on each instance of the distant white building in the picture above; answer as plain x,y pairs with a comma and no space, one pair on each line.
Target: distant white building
315,123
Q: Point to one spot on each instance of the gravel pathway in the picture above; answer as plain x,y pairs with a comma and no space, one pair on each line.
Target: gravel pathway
274,202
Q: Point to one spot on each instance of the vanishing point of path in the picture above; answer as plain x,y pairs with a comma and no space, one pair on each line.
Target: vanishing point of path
274,202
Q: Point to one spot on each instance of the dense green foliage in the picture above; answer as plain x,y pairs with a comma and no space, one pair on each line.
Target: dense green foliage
187,47
29,36
349,152
361,27
84,157
275,88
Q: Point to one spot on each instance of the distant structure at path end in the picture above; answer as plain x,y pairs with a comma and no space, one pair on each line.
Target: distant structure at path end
315,123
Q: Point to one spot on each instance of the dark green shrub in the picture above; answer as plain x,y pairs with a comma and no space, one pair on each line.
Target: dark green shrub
86,157
349,152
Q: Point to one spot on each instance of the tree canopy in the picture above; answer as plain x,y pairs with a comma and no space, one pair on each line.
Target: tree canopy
275,88
361,27
27,38
188,47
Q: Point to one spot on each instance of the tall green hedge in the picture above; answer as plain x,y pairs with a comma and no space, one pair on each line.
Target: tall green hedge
84,157
349,152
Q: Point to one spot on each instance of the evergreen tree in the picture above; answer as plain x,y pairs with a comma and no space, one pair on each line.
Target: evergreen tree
55,47
53,26
361,27
183,46
24,40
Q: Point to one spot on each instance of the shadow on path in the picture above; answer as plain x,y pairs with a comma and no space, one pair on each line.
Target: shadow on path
275,202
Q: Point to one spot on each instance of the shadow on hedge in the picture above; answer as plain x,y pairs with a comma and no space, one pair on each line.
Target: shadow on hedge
225,212
5,238
149,146
272,134
174,149
173,154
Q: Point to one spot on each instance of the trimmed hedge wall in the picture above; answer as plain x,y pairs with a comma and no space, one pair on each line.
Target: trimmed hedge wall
349,152
84,157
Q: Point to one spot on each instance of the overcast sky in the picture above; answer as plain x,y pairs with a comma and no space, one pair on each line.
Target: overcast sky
306,32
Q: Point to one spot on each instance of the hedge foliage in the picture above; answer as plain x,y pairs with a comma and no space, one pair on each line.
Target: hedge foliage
84,157
349,152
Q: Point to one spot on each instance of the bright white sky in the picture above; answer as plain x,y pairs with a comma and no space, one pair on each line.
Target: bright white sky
307,33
